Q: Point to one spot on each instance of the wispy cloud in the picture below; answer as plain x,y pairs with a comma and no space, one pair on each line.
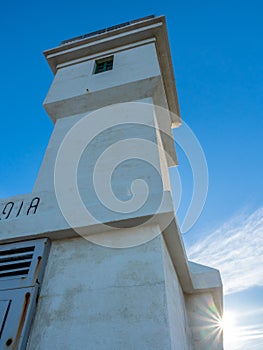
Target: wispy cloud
236,249
249,337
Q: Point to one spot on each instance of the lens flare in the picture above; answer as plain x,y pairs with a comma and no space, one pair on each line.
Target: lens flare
227,321
228,325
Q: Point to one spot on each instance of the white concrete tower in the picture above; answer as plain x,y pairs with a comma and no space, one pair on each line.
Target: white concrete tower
109,265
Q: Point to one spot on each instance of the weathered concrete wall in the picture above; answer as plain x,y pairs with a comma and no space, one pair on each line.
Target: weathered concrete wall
121,131
101,298
98,298
204,322
129,65
181,337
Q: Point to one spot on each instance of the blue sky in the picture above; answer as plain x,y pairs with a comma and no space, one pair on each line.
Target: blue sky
217,55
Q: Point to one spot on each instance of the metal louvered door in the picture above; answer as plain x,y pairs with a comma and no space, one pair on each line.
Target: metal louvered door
22,267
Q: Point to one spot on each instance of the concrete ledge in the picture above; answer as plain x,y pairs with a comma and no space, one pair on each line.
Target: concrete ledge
91,101
33,224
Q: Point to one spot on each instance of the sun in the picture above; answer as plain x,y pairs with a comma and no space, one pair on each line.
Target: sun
228,325
227,321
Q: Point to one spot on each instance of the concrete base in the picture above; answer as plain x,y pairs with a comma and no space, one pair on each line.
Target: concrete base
101,298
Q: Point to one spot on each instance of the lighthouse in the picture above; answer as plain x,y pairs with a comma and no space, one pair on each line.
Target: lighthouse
93,258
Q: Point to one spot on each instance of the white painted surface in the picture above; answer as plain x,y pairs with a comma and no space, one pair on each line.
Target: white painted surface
99,298
128,66
153,30
204,317
181,336
141,119
48,221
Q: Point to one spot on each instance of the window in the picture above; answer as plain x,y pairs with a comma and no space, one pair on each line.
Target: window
103,65
22,267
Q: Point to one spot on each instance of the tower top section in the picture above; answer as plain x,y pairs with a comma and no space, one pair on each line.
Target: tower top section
107,29
110,40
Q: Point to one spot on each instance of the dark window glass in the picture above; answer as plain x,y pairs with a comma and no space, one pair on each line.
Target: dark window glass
103,65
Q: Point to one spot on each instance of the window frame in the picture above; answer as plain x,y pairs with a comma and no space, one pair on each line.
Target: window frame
106,63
